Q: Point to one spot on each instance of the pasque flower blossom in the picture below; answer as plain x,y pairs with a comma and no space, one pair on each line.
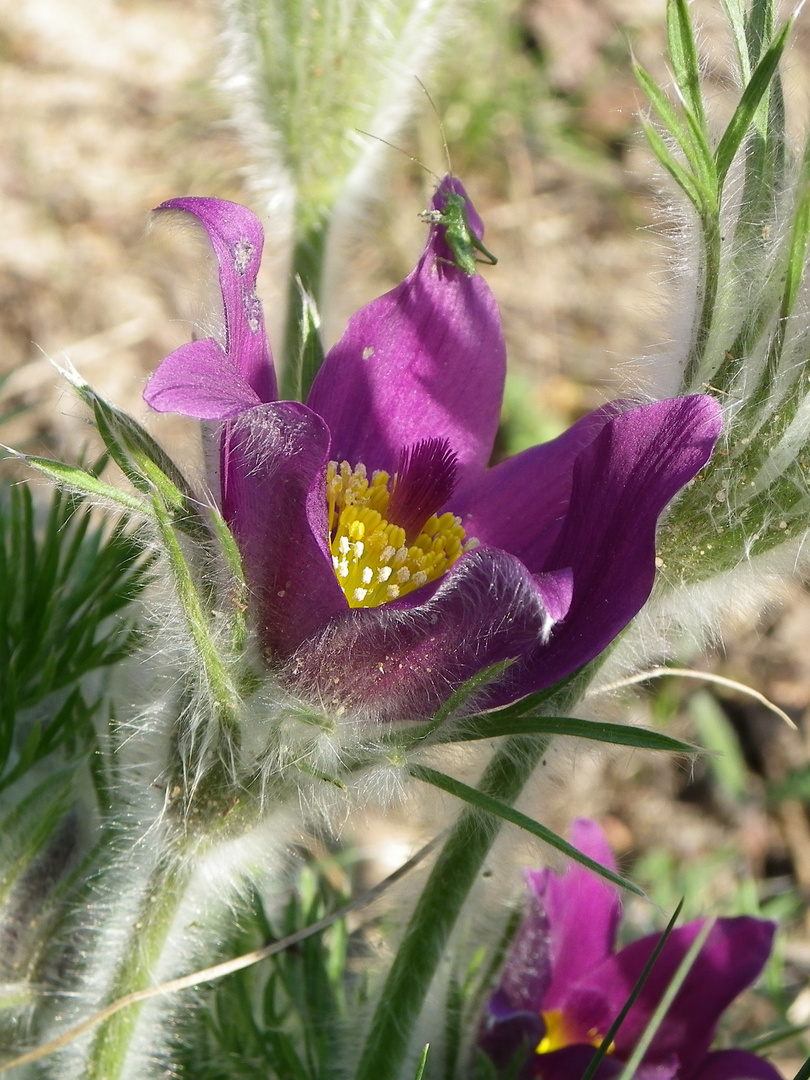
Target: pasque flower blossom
387,562
564,983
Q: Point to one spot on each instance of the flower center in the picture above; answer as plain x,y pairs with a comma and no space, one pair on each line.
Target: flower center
561,1033
375,559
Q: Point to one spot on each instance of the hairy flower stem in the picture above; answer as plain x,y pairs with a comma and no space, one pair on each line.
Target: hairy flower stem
438,909
111,1047
710,274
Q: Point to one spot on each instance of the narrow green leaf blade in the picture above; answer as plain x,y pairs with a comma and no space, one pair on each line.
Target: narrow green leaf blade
684,58
684,179
743,117
501,810
84,483
492,726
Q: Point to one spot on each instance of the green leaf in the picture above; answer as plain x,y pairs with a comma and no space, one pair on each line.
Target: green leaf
743,117
726,760
84,483
682,177
684,58
420,1069
491,726
735,16
502,810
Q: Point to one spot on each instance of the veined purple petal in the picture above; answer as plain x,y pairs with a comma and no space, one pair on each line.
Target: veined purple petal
237,238
401,660
199,380
583,913
519,504
734,1065
273,494
732,957
621,482
426,360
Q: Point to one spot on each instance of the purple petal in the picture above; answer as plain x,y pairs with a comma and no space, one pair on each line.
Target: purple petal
583,912
425,361
571,1062
734,1065
401,660
527,972
730,960
621,482
507,1037
237,238
199,380
520,504
273,494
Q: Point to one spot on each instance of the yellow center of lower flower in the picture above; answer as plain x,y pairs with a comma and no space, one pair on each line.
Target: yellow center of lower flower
560,1033
373,558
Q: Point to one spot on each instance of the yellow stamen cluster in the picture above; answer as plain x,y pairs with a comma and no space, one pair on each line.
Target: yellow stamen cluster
373,560
560,1033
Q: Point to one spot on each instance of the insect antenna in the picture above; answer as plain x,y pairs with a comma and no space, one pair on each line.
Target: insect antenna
441,125
404,153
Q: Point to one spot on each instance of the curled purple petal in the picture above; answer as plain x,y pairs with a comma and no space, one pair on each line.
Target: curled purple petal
621,482
426,360
520,504
401,660
199,380
237,238
273,482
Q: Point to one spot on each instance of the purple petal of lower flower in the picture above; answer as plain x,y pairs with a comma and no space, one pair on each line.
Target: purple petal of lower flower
507,1036
527,972
273,483
732,957
571,1063
734,1065
199,380
583,912
426,359
401,660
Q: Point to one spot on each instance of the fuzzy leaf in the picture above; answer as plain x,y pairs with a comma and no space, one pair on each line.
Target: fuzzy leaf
682,177
743,117
684,59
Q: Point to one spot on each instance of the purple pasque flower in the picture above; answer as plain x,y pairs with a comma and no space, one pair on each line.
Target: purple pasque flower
387,563
564,983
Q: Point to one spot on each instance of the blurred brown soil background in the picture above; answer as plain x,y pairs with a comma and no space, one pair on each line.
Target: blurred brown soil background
108,108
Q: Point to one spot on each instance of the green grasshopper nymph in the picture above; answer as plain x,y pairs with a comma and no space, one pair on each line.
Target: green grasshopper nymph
461,240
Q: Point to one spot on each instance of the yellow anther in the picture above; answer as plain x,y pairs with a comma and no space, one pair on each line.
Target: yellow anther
373,560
